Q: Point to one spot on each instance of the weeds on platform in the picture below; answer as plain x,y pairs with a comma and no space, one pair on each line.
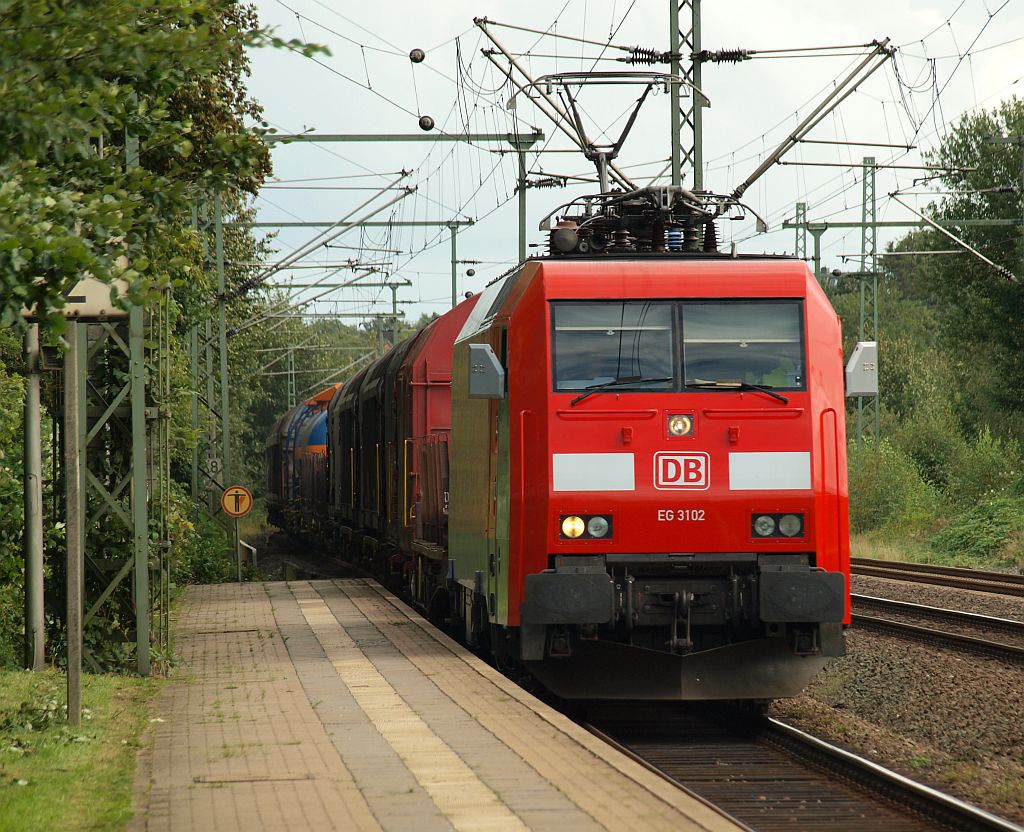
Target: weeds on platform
54,776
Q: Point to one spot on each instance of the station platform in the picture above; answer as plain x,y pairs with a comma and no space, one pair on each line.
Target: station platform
330,705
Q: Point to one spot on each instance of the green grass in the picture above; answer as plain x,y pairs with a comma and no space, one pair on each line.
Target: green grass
53,776
884,547
960,544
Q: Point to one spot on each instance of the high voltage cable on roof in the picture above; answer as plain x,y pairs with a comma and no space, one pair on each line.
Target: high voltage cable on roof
328,150
896,156
334,32
444,161
880,50
341,74
878,165
549,33
842,189
855,144
914,121
284,307
277,187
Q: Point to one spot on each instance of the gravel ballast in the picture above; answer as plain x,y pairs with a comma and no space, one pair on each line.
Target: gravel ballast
949,719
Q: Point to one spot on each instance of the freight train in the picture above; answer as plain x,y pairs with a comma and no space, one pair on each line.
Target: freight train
619,469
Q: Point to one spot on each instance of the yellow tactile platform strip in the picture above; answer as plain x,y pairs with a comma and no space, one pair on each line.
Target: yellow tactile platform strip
451,784
329,705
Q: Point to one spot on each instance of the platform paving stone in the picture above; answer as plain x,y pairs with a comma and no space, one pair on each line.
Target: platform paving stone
330,705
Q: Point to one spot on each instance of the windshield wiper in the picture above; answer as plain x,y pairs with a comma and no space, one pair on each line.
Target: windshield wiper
735,384
597,388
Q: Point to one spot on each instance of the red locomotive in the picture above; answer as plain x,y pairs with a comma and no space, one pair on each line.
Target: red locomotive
620,468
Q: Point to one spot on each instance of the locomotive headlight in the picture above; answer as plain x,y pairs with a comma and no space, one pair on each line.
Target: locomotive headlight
585,526
573,526
680,424
791,524
777,525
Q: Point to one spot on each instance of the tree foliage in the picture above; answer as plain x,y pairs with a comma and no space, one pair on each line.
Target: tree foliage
120,120
951,360
981,308
83,84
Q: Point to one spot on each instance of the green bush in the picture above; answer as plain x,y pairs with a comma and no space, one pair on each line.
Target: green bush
206,558
12,619
888,492
964,470
985,467
201,550
934,443
12,520
991,530
913,377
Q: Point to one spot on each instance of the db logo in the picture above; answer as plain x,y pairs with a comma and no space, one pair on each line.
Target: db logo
682,471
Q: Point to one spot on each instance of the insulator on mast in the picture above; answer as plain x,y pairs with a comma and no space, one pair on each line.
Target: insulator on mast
646,56
724,56
729,56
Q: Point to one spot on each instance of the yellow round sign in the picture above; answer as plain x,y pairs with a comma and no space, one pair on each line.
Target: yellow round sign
236,501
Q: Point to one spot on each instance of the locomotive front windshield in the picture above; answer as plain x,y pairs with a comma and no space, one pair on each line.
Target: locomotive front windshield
601,343
663,345
755,342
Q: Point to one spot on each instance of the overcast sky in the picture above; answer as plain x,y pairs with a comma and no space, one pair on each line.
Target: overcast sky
954,56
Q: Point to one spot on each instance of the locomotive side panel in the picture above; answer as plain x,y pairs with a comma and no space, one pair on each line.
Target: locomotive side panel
389,514
310,453
369,415
831,510
528,441
478,533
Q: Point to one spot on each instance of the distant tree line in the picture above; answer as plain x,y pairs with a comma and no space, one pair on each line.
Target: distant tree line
948,479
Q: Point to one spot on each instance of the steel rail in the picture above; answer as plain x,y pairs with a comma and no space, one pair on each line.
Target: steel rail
942,638
1004,583
730,783
960,617
933,804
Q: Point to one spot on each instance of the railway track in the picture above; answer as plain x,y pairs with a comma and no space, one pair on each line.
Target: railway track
1002,583
968,633
771,776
